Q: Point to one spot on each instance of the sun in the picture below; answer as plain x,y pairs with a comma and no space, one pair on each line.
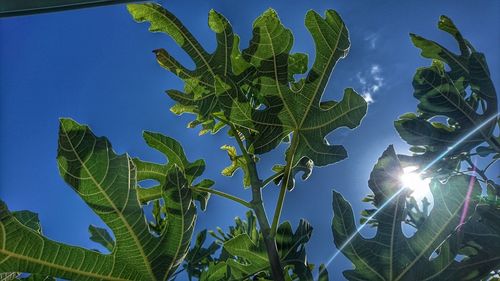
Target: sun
413,181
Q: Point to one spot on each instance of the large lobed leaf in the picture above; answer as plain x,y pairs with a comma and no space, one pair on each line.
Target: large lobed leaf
427,255
107,182
463,93
174,152
254,90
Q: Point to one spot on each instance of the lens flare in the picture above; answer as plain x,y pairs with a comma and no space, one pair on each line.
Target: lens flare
467,197
437,159
361,227
412,180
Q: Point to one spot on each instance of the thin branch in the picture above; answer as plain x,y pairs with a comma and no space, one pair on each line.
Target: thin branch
271,178
223,194
149,194
284,185
177,273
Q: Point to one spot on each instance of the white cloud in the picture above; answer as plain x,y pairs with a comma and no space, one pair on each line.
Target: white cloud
375,69
361,79
368,97
371,82
372,40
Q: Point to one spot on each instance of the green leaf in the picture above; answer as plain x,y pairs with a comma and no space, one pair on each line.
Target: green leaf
390,255
255,256
254,90
248,226
201,196
176,157
8,276
36,277
323,275
305,166
102,237
237,162
417,215
291,247
484,151
215,272
107,183
199,259
28,219
464,94
245,254
478,238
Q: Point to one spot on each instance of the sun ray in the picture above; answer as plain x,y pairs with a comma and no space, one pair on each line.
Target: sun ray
441,156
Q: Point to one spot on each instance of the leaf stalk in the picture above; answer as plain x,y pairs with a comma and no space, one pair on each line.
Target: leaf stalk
284,185
224,195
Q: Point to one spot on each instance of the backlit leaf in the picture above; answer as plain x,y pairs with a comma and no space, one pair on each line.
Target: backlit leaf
390,255
464,94
254,90
107,183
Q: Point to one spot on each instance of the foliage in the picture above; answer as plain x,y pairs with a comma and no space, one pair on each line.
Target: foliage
265,95
464,94
199,258
390,255
243,251
254,92
107,182
458,238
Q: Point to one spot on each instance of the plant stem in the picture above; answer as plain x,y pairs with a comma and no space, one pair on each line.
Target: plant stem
489,165
269,241
223,194
177,273
257,206
271,178
476,169
284,185
148,194
279,207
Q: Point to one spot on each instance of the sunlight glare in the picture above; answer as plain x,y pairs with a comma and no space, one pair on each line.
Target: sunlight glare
408,180
412,180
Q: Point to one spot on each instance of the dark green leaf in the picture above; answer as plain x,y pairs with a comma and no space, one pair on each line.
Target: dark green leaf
101,236
8,276
484,151
305,166
215,272
464,94
29,219
251,89
246,255
199,259
390,255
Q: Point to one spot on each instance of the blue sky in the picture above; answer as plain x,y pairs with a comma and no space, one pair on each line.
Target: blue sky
96,66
